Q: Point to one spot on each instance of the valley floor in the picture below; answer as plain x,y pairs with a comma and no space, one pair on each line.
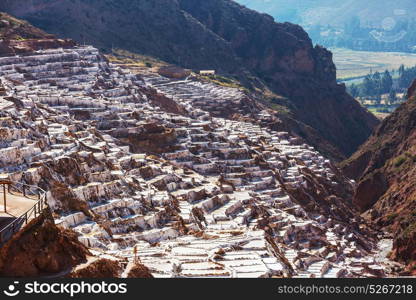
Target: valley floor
357,64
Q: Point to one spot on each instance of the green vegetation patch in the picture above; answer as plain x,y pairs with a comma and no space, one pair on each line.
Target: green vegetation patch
391,217
403,159
223,81
409,231
124,57
398,161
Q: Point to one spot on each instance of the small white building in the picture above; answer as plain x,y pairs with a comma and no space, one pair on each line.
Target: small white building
207,72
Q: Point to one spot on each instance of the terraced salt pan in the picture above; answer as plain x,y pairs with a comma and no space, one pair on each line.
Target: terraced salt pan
200,210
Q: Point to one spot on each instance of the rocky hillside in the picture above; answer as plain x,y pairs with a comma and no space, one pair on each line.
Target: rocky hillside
221,35
298,71
385,168
17,36
16,29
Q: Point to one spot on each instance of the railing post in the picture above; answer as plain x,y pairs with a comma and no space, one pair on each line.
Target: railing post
26,218
24,190
4,200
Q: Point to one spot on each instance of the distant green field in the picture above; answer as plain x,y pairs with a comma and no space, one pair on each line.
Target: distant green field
352,64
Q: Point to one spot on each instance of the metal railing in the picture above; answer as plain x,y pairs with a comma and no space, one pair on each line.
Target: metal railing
26,190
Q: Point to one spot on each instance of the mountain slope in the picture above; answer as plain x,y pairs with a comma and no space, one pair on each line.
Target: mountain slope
221,35
385,168
143,26
18,36
13,29
283,56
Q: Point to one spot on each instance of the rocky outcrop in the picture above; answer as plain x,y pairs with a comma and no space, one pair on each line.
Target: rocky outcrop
19,37
139,271
16,29
163,102
220,35
173,72
385,170
41,248
10,47
98,268
150,138
405,248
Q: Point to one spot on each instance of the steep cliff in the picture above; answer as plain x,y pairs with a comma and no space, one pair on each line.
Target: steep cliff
221,35
283,56
385,168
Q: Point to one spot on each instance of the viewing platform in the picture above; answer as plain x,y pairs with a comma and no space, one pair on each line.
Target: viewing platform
19,205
